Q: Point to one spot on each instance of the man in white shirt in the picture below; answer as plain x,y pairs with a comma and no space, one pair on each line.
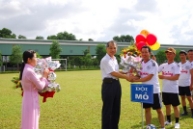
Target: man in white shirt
184,82
170,75
149,75
111,87
190,58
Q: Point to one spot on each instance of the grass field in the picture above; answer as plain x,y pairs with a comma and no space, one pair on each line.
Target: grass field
76,106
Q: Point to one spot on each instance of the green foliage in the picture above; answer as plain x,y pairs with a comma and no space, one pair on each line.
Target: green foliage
66,36
124,38
177,58
62,36
161,57
90,39
16,56
100,51
6,33
52,37
21,37
55,50
38,55
87,60
86,51
39,37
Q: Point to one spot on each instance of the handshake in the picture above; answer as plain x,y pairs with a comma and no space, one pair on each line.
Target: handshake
131,77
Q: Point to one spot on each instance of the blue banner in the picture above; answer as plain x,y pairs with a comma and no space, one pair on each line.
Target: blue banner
142,93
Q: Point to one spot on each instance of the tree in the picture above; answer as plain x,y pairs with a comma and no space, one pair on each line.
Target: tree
78,61
39,37
21,37
62,36
87,60
90,39
52,37
6,33
161,57
66,36
86,51
124,38
100,51
177,58
16,55
55,50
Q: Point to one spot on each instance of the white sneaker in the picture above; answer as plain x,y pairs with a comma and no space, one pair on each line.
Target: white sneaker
177,126
150,126
168,123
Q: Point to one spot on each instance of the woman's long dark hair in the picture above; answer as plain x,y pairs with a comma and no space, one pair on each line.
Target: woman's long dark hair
26,55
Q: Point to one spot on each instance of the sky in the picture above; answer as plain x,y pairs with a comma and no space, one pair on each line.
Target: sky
171,21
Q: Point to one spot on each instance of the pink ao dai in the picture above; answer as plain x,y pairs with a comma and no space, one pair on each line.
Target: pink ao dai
30,103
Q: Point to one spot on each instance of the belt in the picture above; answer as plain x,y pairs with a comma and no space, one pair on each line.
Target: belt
109,80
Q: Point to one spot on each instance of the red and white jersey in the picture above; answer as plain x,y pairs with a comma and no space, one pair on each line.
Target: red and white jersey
169,86
184,79
151,67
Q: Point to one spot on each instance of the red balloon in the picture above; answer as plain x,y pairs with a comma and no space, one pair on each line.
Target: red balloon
140,45
140,38
151,39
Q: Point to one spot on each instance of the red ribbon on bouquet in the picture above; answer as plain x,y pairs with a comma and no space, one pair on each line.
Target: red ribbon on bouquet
46,95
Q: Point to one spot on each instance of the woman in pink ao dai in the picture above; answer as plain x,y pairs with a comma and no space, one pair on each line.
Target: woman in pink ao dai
31,84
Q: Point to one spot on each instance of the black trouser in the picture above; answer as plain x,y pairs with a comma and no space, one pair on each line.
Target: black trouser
111,97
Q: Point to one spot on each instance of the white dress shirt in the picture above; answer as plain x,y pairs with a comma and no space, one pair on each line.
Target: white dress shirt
108,65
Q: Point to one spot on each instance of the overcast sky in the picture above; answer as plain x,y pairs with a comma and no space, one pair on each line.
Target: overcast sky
170,20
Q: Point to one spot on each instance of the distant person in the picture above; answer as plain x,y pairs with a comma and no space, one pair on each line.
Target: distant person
149,75
190,58
184,82
31,84
153,57
170,75
111,87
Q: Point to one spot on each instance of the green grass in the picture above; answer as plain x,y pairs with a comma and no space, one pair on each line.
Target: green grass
76,106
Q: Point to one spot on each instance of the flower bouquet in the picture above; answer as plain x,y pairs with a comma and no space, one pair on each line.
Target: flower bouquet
131,60
52,87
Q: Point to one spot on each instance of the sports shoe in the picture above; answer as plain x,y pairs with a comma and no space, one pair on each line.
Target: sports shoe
184,114
177,126
150,126
168,123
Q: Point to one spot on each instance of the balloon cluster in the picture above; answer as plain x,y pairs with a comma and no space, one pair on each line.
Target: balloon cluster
146,38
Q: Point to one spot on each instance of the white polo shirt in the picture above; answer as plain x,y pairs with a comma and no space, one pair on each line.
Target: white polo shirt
169,70
184,79
108,65
151,67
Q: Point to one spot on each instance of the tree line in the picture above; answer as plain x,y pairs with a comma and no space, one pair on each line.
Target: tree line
7,33
78,62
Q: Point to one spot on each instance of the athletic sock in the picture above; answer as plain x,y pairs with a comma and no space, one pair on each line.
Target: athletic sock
169,118
177,120
184,107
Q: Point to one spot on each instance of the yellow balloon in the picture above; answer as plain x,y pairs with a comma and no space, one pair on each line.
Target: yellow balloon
156,46
144,32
